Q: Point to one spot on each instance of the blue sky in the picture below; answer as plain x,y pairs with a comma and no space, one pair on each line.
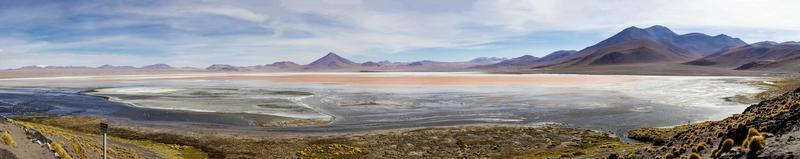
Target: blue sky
251,32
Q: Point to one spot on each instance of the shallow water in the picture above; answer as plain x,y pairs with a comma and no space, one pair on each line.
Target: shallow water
647,101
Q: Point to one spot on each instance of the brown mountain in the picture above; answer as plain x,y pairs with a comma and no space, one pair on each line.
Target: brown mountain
631,46
758,56
331,61
634,52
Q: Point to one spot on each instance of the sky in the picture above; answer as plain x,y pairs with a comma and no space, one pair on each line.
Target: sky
198,33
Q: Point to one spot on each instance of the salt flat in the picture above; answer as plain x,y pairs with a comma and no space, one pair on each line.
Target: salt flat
373,101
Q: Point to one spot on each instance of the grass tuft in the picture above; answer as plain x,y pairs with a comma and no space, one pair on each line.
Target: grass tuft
60,151
78,151
726,146
756,145
695,156
8,140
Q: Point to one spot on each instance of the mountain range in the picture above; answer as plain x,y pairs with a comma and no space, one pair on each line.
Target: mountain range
631,49
655,44
758,56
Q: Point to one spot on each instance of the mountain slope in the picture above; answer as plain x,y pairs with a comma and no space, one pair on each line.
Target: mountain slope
775,121
634,52
555,56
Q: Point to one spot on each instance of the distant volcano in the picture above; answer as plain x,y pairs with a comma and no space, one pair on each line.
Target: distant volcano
331,61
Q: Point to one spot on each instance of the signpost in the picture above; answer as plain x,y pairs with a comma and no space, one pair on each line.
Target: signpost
104,130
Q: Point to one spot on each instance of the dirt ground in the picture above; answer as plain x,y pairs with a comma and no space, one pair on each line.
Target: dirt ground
25,148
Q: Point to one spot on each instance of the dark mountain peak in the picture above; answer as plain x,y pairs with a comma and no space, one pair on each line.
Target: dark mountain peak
657,28
632,31
332,55
656,33
331,61
661,32
722,36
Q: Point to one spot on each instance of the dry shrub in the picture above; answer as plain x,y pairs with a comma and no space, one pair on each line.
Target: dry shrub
757,144
60,150
8,140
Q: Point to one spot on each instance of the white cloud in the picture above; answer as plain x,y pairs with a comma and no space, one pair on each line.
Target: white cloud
355,28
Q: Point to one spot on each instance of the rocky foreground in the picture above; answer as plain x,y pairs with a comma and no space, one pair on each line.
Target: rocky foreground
769,129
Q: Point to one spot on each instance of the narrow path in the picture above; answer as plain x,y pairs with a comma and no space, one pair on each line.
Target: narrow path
25,148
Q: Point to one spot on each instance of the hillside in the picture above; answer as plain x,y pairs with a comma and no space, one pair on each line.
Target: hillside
633,52
763,56
655,44
768,129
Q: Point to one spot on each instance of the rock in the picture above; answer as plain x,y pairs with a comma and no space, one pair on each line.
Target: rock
613,155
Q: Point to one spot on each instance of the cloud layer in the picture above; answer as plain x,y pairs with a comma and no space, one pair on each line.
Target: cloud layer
198,33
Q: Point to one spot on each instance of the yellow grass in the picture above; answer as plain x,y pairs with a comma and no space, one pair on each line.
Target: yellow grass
86,144
60,150
8,140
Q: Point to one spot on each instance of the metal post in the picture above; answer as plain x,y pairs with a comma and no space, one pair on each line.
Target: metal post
105,146
104,130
